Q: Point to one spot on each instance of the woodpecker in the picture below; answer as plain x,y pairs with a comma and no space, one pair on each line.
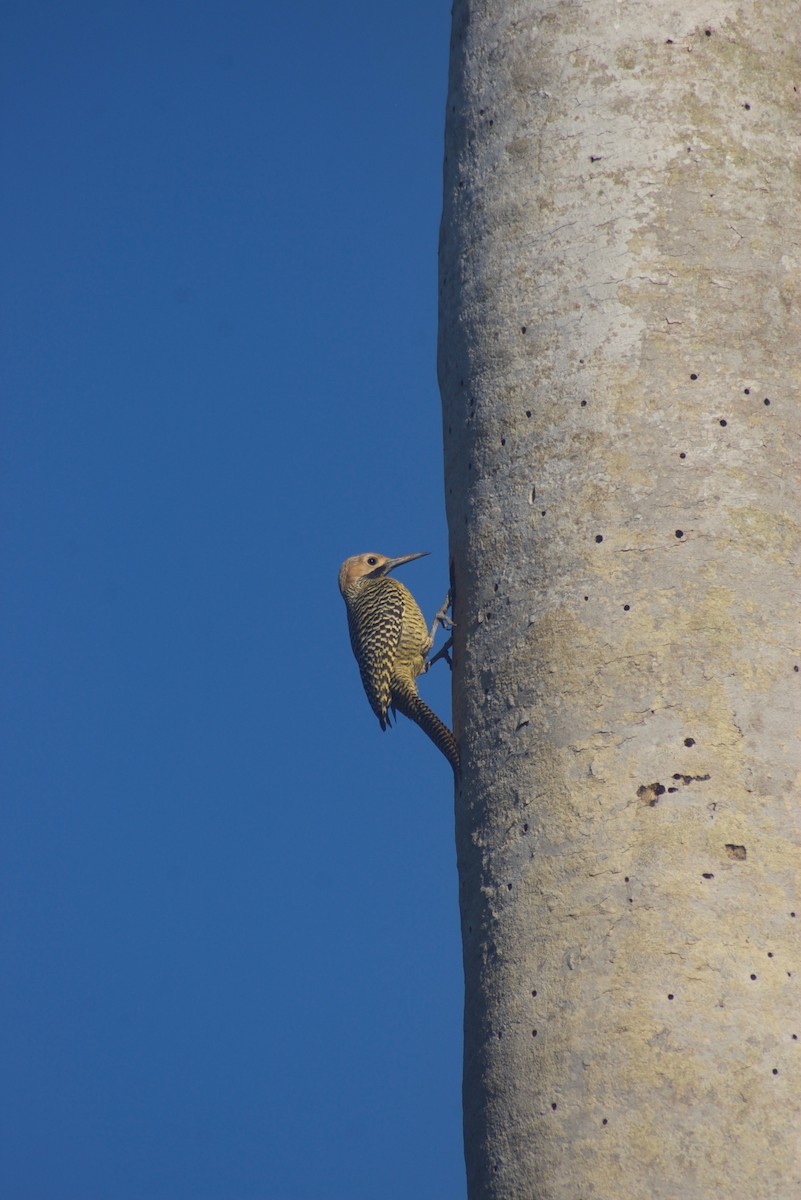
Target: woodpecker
391,643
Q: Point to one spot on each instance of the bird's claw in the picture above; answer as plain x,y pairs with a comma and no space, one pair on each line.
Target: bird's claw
441,617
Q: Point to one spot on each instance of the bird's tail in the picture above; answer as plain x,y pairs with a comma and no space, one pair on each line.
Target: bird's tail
406,700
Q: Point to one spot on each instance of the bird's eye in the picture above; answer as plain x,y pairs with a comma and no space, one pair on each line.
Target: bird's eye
372,560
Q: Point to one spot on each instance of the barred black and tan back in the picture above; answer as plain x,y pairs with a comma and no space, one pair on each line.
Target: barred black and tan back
375,622
391,642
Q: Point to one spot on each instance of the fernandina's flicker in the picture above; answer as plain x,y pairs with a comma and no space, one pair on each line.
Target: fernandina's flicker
391,642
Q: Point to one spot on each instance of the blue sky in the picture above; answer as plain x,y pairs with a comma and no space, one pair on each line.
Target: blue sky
229,919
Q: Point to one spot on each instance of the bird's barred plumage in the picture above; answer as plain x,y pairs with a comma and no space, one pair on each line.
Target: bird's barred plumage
386,627
391,642
406,700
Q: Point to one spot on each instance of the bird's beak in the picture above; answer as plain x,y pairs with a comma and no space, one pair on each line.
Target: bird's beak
404,558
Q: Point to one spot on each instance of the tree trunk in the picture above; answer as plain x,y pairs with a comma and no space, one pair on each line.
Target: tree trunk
619,344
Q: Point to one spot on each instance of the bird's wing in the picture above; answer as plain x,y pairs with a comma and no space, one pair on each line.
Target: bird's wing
375,625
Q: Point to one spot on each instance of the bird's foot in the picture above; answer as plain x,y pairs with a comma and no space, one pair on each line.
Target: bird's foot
441,616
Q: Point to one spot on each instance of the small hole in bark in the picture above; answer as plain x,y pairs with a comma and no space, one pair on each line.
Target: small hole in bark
626,607
584,404
648,793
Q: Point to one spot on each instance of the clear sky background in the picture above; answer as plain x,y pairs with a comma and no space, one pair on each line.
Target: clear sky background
229,935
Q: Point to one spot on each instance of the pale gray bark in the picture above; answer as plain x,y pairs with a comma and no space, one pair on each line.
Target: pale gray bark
619,350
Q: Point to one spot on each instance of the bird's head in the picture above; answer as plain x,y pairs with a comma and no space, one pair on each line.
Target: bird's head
370,566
